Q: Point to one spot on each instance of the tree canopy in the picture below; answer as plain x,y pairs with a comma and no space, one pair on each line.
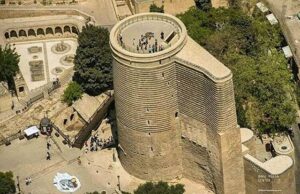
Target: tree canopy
203,4
7,184
154,8
9,60
93,60
72,93
250,47
155,188
159,188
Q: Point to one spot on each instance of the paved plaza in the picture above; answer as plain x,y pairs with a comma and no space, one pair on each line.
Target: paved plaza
95,170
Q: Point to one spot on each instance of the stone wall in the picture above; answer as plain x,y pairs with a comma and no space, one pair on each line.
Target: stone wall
5,102
212,106
196,164
43,2
220,3
250,144
258,180
5,14
146,109
170,6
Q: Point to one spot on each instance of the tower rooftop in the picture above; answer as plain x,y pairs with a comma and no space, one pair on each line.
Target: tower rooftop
148,34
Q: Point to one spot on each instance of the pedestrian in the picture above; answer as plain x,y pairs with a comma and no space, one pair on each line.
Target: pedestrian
48,145
162,35
29,180
26,181
48,156
92,147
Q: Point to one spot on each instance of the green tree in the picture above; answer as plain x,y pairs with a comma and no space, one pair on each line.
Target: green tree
93,60
7,184
155,8
72,93
204,5
159,188
248,45
9,61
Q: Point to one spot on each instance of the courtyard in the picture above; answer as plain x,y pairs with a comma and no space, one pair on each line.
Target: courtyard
49,63
96,171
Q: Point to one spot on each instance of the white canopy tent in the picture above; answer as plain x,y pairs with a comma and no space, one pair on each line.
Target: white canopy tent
31,131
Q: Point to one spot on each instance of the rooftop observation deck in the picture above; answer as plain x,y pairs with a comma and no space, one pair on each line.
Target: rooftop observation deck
148,35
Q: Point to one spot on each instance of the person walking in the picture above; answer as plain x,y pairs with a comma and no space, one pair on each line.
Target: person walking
48,145
48,156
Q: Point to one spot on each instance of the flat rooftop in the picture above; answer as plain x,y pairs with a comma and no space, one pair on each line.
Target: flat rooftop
148,36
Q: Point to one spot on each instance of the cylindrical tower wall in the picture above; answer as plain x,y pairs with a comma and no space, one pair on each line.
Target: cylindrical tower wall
147,111
146,96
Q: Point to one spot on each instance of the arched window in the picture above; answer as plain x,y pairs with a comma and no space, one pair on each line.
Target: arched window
13,34
58,30
74,30
40,31
31,32
6,35
22,33
67,29
49,31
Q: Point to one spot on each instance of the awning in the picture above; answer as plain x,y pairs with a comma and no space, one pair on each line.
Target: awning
31,130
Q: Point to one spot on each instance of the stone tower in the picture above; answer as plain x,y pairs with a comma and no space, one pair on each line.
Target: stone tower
175,106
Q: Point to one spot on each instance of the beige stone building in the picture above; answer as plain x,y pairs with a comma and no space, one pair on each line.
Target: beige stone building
170,6
43,2
176,112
